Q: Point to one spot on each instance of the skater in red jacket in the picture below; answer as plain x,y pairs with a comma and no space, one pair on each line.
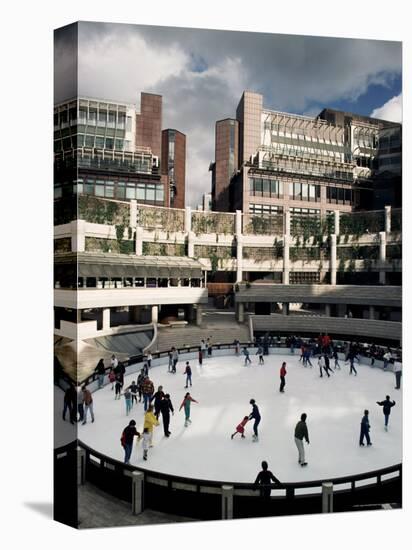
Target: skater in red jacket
240,428
282,377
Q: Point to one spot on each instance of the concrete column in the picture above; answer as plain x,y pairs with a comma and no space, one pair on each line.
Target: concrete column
327,310
241,312
238,227
333,260
327,498
133,213
371,312
106,318
382,257
191,244
239,260
286,259
81,466
78,234
227,501
387,219
155,314
137,493
287,223
285,308
139,241
199,315
188,219
337,222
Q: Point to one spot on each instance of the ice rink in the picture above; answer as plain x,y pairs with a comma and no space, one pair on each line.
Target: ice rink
223,387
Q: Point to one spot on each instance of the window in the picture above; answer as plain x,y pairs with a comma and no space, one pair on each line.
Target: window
150,192
120,190
89,141
80,140
92,117
160,195
82,115
140,192
99,188
305,192
129,124
130,192
100,142
56,120
102,118
112,119
109,143
89,187
119,144
121,120
266,188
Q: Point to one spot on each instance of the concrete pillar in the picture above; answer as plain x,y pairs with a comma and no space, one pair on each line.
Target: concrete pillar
78,235
382,257
137,493
239,260
371,312
133,213
191,244
227,501
238,227
285,308
188,219
81,465
387,219
241,312
333,260
287,223
106,318
155,314
327,310
327,498
337,222
139,241
199,315
286,264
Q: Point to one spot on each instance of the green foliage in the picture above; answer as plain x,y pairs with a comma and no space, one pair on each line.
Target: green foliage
97,210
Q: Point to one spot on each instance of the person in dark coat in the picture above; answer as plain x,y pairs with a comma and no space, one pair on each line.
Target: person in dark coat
263,480
255,414
165,408
100,371
327,363
140,380
69,403
157,398
387,405
364,431
127,439
301,433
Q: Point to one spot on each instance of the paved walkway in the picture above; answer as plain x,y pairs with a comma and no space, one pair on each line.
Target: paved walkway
99,509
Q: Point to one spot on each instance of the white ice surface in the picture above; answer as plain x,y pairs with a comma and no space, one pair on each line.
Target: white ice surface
223,387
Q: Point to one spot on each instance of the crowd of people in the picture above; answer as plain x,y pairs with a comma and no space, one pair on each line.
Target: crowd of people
78,400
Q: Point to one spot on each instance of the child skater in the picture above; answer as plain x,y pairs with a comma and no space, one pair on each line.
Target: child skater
145,442
118,387
260,353
112,378
240,428
246,354
188,399
128,400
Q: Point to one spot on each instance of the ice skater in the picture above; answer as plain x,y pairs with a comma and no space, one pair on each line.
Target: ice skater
301,433
351,358
187,401
255,414
237,347
200,357
69,403
140,380
322,366
165,408
364,429
157,398
88,404
134,388
240,428
387,405
260,353
127,439
145,442
112,378
282,377
209,347
397,369
100,371
188,373
148,391
327,363
118,387
263,480
128,400
336,359
150,421
149,358
306,357
247,356
175,359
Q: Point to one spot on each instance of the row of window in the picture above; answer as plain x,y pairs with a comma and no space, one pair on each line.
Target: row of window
143,192
259,187
93,117
304,191
265,209
87,140
338,195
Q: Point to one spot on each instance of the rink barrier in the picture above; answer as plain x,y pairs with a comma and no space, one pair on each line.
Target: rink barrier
134,363
209,499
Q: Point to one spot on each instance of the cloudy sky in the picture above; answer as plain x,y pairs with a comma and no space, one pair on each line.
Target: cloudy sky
201,75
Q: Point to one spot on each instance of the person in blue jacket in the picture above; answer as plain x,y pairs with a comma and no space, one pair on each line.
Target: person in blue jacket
255,414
